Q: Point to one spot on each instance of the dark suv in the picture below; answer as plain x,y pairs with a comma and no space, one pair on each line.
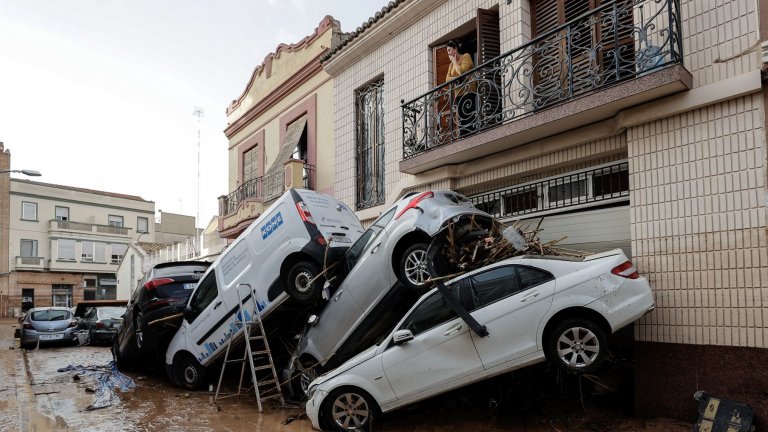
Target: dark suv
161,293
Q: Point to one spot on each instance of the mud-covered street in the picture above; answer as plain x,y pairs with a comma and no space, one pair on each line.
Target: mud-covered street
34,396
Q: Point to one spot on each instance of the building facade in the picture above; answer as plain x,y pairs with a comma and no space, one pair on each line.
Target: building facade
280,130
637,124
66,243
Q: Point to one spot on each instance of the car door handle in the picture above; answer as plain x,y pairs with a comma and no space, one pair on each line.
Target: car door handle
337,296
375,248
530,296
453,330
216,306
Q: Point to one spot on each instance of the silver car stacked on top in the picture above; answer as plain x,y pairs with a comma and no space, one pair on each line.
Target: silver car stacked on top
385,269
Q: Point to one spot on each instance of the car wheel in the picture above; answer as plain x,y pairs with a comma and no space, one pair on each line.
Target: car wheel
300,377
91,338
577,345
349,409
190,374
120,361
412,268
138,329
297,282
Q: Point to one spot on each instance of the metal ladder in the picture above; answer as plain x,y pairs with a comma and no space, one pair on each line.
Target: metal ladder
265,389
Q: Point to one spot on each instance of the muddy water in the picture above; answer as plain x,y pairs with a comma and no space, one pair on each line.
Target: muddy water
35,397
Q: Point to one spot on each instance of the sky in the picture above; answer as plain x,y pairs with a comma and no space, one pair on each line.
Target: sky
99,94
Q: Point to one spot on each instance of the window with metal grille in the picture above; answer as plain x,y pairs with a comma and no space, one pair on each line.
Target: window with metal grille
369,101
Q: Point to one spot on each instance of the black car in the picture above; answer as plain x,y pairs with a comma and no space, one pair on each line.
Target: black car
162,293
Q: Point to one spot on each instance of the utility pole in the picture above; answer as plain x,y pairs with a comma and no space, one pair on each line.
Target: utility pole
198,112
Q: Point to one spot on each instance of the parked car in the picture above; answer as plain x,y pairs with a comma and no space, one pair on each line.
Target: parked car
47,325
534,308
279,255
162,292
101,318
385,269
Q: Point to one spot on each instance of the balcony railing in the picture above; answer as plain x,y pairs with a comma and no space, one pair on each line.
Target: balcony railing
264,188
615,42
583,188
80,226
30,262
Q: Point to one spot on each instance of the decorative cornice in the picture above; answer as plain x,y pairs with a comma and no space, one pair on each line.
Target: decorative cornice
393,19
266,66
290,85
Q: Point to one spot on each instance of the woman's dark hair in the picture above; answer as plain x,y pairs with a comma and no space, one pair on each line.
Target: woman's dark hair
455,44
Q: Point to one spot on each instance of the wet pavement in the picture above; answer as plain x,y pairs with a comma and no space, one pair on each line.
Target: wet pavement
35,397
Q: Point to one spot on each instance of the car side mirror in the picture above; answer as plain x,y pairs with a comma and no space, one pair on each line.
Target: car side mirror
313,320
402,336
187,313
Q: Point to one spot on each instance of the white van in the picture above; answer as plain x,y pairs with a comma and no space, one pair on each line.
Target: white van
278,255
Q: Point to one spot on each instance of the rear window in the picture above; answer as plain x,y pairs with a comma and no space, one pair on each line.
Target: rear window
51,315
179,290
179,270
111,312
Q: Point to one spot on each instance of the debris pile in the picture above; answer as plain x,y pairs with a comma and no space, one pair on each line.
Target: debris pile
473,242
105,378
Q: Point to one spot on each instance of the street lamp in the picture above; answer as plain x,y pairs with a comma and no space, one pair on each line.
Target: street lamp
31,173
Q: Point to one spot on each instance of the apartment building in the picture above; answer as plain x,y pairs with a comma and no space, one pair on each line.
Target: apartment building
66,243
280,130
637,124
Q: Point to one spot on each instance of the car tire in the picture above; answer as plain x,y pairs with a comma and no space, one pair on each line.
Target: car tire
299,379
138,329
412,267
190,374
120,361
577,345
297,282
338,403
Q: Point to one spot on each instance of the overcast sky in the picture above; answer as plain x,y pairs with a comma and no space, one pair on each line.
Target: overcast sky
99,94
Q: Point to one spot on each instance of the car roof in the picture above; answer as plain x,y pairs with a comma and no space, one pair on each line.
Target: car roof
83,305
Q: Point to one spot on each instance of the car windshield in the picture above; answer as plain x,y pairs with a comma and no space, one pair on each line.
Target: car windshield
50,315
111,312
179,270
356,251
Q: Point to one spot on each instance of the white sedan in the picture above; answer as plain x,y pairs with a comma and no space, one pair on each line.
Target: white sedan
533,307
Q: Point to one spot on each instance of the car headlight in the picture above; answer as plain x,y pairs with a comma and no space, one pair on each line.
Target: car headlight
311,391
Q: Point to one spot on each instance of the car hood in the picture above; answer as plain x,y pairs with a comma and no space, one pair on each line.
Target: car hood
354,361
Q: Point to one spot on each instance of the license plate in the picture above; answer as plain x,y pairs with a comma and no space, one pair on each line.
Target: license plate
54,336
340,239
189,286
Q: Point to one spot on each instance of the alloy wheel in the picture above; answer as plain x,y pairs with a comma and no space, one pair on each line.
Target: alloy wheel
578,347
416,267
350,411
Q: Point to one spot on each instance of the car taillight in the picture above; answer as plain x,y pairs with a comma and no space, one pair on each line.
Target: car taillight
73,324
304,212
626,270
415,202
321,240
150,285
100,324
28,326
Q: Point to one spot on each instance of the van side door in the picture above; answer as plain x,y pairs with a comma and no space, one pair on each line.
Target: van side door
208,322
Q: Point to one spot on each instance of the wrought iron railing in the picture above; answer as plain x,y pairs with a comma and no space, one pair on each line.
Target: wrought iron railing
266,188
592,187
617,41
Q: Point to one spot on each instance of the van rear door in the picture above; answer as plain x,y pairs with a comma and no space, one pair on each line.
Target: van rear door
333,218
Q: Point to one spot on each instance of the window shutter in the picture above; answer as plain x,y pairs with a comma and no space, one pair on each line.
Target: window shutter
488,44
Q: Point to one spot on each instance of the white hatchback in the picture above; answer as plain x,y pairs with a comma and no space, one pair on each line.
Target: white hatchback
533,307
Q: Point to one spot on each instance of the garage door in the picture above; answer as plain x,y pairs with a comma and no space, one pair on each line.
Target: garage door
589,231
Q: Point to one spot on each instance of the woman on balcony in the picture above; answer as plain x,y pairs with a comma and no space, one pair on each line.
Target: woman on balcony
464,105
